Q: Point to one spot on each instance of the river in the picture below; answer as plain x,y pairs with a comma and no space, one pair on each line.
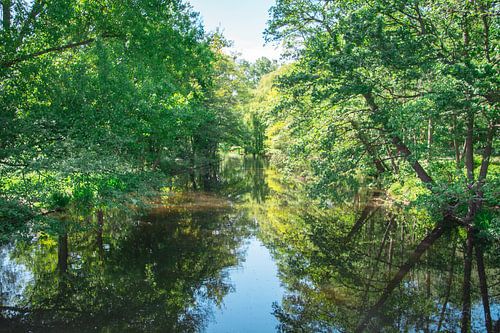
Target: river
254,254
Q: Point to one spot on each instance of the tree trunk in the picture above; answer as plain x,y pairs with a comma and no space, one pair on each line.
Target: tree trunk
466,288
6,12
417,167
430,138
484,288
192,160
469,148
488,151
456,146
486,30
448,288
394,165
391,255
377,162
401,147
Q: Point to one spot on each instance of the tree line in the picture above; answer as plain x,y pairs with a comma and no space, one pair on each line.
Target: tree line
101,101
402,94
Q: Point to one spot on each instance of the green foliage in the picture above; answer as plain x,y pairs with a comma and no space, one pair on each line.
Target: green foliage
98,98
255,71
59,200
12,215
368,75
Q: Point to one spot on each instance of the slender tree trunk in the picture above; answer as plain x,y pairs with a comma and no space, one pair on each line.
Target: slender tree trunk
466,287
484,288
486,31
430,138
488,151
356,201
469,148
401,147
403,242
464,150
448,288
377,162
192,159
394,165
6,13
455,143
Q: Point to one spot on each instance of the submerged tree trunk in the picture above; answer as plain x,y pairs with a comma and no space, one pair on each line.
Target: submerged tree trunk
428,294
390,254
377,260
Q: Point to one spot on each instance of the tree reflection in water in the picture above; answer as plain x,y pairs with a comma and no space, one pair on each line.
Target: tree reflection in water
342,266
338,262
167,271
163,273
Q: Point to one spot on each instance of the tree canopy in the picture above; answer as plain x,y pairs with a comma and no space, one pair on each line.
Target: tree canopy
107,103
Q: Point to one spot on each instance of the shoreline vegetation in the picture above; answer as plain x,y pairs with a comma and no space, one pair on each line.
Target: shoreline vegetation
105,105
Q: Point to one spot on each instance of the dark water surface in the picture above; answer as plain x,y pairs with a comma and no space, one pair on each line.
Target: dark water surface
251,255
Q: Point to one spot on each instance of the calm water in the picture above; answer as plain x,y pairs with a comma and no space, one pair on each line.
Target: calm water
251,255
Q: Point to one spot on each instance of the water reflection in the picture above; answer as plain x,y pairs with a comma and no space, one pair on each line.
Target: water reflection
160,273
336,263
173,268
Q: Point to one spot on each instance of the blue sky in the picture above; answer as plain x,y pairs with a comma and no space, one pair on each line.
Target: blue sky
242,21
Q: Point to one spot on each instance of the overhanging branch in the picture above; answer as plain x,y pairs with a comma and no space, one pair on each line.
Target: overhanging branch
72,45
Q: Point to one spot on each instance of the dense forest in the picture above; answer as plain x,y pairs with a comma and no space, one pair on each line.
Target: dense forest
105,105
102,101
